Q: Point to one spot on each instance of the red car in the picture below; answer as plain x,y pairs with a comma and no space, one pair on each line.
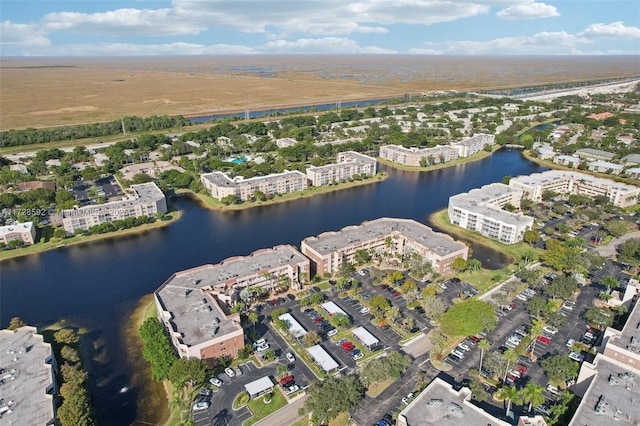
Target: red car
286,380
275,302
318,319
384,286
474,339
395,294
348,346
521,369
544,340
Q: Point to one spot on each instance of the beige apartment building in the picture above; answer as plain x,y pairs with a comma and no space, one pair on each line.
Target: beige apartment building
28,395
481,210
473,145
348,164
566,182
220,185
413,156
24,232
384,237
145,199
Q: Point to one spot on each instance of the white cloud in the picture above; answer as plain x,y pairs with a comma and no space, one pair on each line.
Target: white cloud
320,45
530,10
21,36
122,22
132,49
614,30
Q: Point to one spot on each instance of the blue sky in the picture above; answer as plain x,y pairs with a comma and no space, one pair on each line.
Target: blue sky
224,27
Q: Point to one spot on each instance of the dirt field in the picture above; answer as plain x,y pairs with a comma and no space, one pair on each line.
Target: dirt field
37,92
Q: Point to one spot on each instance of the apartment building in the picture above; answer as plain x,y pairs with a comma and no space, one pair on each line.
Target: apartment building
473,145
566,182
567,160
481,210
27,395
348,164
383,238
220,185
594,154
191,312
145,199
24,232
413,156
605,167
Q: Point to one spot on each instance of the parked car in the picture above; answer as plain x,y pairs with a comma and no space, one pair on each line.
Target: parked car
215,382
275,302
568,304
364,310
262,348
544,340
238,371
201,406
443,286
464,347
332,332
395,294
204,393
292,389
290,357
458,353
260,342
576,356
407,399
549,330
286,380
358,356
291,296
229,372
362,272
552,389
341,342
570,343
521,296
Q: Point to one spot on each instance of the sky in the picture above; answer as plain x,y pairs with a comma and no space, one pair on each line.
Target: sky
232,27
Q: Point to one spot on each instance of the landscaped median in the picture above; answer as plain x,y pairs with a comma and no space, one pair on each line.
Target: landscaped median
302,354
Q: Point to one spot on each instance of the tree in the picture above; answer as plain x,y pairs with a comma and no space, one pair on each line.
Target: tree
510,395
531,237
483,345
559,368
15,323
536,330
474,264
536,305
562,287
409,286
392,313
282,370
600,317
459,264
610,282
253,319
70,354
187,373
468,318
616,228
157,349
361,256
229,199
328,398
532,394
311,338
629,252
558,256
339,319
270,354
434,306
379,304
477,390
510,356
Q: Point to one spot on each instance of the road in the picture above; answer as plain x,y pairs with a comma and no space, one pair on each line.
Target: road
285,416
609,250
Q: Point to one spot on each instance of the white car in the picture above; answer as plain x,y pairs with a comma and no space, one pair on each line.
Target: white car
464,347
260,342
362,273
458,353
570,343
576,356
549,330
443,286
552,389
358,356
290,357
292,389
407,399
521,297
201,406
215,382
262,348
332,332
568,305
229,372
364,310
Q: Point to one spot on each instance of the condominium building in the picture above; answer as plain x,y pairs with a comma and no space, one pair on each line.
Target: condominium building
383,238
28,379
481,210
348,164
190,303
566,182
414,156
220,185
473,145
190,311
145,199
440,404
594,154
24,232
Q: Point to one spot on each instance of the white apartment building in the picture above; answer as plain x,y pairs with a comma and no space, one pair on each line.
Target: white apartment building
145,199
566,182
473,145
348,164
413,156
24,232
382,237
220,185
481,210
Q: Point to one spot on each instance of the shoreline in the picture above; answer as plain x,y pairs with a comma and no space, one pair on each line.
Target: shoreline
211,203
38,248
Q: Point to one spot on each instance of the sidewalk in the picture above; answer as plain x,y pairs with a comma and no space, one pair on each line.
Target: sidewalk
286,415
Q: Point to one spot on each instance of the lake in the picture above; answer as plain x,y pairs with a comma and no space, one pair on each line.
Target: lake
98,285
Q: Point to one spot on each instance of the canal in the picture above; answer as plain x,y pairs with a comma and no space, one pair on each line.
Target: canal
97,286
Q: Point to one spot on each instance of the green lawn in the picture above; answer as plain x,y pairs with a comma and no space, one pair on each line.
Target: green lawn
261,410
377,388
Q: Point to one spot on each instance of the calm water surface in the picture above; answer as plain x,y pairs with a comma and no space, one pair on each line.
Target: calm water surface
97,285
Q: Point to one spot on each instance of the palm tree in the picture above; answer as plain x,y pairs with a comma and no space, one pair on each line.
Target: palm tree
510,356
532,394
253,318
483,345
536,330
510,394
282,370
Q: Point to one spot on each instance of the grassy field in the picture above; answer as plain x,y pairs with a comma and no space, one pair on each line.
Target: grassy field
261,410
79,90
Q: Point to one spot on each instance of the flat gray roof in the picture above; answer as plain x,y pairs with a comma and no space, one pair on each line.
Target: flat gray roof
612,398
295,328
221,179
328,242
591,151
332,308
478,200
322,358
630,335
142,193
440,405
259,386
551,175
27,375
